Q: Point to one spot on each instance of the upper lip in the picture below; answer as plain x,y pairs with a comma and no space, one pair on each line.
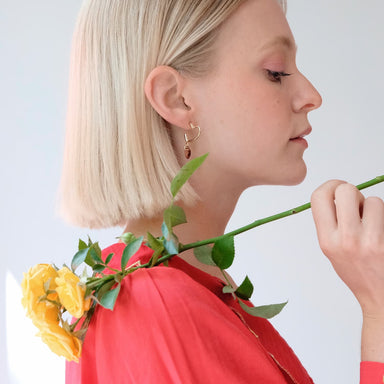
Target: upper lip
304,133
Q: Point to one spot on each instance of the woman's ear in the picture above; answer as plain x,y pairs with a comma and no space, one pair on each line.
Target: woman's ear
164,88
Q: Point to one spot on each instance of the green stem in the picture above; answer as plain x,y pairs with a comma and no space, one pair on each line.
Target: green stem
92,283
229,283
257,223
161,260
225,277
73,325
130,270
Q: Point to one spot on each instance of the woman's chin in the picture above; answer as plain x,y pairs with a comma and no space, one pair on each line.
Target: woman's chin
296,177
291,176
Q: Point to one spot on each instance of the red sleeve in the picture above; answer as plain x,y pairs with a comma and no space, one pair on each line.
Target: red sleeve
167,328
371,372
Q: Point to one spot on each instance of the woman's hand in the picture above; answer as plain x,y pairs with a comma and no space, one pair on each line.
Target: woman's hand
350,229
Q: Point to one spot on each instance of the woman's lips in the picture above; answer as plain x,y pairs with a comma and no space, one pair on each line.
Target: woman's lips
302,134
300,138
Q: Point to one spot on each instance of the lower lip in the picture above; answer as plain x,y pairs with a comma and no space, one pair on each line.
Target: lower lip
301,141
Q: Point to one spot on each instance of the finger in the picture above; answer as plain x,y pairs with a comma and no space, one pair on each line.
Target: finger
349,202
373,217
323,208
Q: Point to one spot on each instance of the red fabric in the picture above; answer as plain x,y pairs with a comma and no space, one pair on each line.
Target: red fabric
174,325
371,372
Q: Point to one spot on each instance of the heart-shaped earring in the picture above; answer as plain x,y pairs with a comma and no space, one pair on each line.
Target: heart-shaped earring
187,148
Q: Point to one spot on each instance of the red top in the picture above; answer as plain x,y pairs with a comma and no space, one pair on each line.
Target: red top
174,325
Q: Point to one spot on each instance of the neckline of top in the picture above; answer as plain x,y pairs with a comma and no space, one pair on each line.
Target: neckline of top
145,253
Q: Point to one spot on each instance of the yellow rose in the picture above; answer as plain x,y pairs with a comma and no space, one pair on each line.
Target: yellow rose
61,342
41,312
71,293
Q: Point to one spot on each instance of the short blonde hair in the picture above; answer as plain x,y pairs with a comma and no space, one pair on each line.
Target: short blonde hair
119,159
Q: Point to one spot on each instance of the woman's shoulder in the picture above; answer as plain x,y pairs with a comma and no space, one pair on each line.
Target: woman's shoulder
170,317
160,286
177,279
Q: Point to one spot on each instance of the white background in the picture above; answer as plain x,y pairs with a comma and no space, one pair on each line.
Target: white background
340,50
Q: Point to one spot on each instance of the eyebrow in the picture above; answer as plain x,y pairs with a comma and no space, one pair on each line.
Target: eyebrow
280,40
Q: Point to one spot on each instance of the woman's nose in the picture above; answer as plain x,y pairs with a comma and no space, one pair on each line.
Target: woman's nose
307,98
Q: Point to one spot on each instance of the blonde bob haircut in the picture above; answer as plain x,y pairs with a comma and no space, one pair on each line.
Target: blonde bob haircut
118,158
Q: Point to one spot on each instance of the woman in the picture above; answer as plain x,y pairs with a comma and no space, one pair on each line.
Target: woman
223,73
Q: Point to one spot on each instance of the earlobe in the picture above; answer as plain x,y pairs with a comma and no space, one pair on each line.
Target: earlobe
164,88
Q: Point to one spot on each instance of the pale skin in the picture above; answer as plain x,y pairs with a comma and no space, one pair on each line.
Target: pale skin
250,121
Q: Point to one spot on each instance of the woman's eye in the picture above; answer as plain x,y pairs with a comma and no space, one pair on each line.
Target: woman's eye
276,76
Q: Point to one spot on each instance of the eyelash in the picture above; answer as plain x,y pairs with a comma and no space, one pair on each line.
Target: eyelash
276,76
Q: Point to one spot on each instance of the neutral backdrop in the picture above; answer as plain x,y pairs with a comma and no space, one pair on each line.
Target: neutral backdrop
340,50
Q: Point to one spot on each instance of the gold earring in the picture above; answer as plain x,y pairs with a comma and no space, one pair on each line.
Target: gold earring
187,148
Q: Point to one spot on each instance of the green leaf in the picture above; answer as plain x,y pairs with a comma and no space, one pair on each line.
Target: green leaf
80,334
98,268
118,277
165,230
174,215
104,288
82,245
264,311
223,252
91,255
157,246
109,298
97,248
155,257
228,289
130,250
47,284
172,245
109,258
127,237
79,258
89,241
153,242
204,254
245,290
88,291
89,258
94,254
185,173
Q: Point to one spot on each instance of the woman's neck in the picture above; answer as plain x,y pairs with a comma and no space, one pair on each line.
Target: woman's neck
207,219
